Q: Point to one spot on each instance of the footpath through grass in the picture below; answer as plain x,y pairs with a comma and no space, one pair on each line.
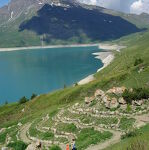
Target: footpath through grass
89,136
137,141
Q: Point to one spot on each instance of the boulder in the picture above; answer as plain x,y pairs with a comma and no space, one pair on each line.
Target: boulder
5,148
106,99
114,103
124,107
107,104
138,103
31,146
23,110
19,124
116,90
99,93
76,104
121,101
2,130
89,100
131,90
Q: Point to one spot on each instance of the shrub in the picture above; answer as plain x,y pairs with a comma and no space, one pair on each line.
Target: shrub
65,86
76,84
138,61
33,96
19,145
6,102
55,147
127,95
136,94
129,134
23,100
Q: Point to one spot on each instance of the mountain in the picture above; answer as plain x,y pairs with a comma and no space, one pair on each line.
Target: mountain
36,22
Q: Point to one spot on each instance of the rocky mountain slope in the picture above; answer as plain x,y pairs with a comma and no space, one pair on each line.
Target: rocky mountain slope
36,22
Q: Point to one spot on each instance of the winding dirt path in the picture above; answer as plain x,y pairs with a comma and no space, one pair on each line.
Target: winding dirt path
23,133
32,141
115,139
141,120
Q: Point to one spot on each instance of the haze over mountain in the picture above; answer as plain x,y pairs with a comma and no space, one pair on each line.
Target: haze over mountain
36,22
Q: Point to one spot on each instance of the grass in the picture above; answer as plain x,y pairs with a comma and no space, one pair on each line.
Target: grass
55,147
42,135
62,140
126,123
89,136
71,128
94,102
11,132
107,121
138,142
19,145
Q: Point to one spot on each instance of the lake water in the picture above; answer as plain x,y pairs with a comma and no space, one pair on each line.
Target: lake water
43,70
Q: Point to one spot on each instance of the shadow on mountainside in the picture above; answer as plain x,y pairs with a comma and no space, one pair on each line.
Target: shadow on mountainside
64,23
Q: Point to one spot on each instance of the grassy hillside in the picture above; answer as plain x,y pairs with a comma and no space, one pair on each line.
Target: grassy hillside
121,72
136,142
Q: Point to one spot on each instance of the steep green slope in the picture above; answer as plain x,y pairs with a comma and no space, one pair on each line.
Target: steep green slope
123,65
120,72
123,71
134,142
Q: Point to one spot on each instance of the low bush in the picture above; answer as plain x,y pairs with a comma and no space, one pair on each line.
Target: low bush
19,145
136,94
129,134
33,96
138,61
55,147
23,100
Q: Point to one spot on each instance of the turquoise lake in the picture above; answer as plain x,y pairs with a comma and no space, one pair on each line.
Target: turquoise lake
43,70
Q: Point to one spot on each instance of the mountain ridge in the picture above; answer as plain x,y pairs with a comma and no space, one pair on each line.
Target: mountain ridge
20,23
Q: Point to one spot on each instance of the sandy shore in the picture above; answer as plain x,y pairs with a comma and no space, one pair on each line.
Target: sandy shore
105,56
111,47
45,47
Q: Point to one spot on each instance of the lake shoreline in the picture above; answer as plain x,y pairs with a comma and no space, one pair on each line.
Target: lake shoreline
46,47
106,56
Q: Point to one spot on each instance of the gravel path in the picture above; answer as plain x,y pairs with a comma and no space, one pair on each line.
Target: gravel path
141,120
115,139
23,133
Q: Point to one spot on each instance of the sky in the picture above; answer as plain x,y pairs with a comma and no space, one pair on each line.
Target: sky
3,2
129,6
